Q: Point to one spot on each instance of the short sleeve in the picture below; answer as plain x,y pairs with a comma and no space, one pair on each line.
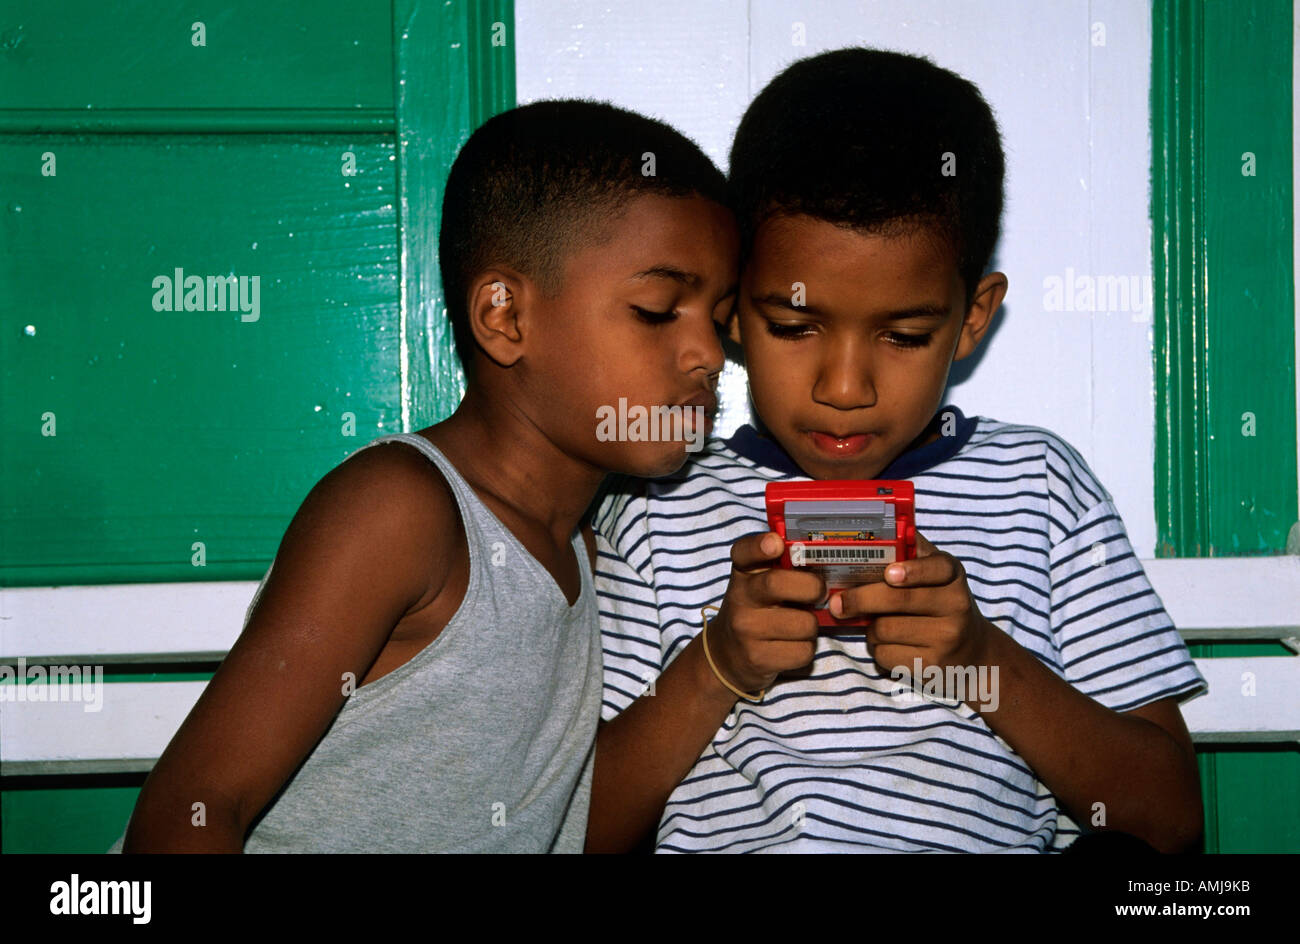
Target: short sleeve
629,610
1117,643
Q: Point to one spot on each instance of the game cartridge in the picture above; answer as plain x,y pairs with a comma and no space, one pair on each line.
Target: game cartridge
848,531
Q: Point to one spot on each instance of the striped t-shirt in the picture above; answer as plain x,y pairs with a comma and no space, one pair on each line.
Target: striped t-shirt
841,755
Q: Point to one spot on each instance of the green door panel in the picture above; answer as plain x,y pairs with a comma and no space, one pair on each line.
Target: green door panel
172,427
333,54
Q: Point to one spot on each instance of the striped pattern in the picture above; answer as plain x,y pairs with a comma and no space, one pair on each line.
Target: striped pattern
838,757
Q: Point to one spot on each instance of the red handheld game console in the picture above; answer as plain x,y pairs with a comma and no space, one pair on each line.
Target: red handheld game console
848,531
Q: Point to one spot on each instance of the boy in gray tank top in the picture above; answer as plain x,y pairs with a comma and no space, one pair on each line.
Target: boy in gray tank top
420,669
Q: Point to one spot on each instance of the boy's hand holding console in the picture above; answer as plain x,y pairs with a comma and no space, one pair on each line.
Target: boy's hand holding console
845,530
842,554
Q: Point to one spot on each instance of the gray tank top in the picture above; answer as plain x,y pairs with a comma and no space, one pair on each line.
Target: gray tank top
483,742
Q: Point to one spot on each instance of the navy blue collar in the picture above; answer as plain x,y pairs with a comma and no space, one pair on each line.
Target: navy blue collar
748,442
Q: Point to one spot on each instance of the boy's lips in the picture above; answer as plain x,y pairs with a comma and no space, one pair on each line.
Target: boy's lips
831,444
706,400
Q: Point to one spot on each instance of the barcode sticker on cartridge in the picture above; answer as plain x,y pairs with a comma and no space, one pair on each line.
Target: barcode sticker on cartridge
843,566
802,555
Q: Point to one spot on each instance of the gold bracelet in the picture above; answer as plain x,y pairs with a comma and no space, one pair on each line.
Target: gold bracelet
704,635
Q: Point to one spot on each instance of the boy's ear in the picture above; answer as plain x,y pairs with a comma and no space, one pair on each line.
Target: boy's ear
979,316
498,298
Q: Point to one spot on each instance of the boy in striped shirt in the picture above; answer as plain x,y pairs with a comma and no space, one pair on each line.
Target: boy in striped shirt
868,187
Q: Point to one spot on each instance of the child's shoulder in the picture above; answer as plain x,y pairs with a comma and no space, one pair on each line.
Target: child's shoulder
383,497
1013,450
998,434
405,479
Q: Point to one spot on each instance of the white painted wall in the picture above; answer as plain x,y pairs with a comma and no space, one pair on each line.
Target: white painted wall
1074,119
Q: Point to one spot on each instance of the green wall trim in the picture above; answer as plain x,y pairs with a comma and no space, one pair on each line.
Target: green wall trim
491,34
1225,325
1178,259
450,78
1224,332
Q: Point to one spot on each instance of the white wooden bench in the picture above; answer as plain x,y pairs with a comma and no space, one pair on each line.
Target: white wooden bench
1238,599
123,626
1211,600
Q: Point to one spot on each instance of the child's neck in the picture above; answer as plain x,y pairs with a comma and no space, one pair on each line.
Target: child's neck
504,456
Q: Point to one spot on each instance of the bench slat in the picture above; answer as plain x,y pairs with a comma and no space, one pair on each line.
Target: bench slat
134,724
1228,592
1227,716
123,623
1207,598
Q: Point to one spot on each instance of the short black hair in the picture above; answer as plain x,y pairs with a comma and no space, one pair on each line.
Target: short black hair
534,183
862,138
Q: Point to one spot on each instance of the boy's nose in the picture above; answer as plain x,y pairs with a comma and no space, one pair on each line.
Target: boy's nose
702,349
844,380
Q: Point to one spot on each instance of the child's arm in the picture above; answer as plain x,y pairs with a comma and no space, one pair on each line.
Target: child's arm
1139,764
375,540
643,754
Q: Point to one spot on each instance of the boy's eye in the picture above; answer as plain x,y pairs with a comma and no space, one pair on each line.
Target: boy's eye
654,317
788,332
909,340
